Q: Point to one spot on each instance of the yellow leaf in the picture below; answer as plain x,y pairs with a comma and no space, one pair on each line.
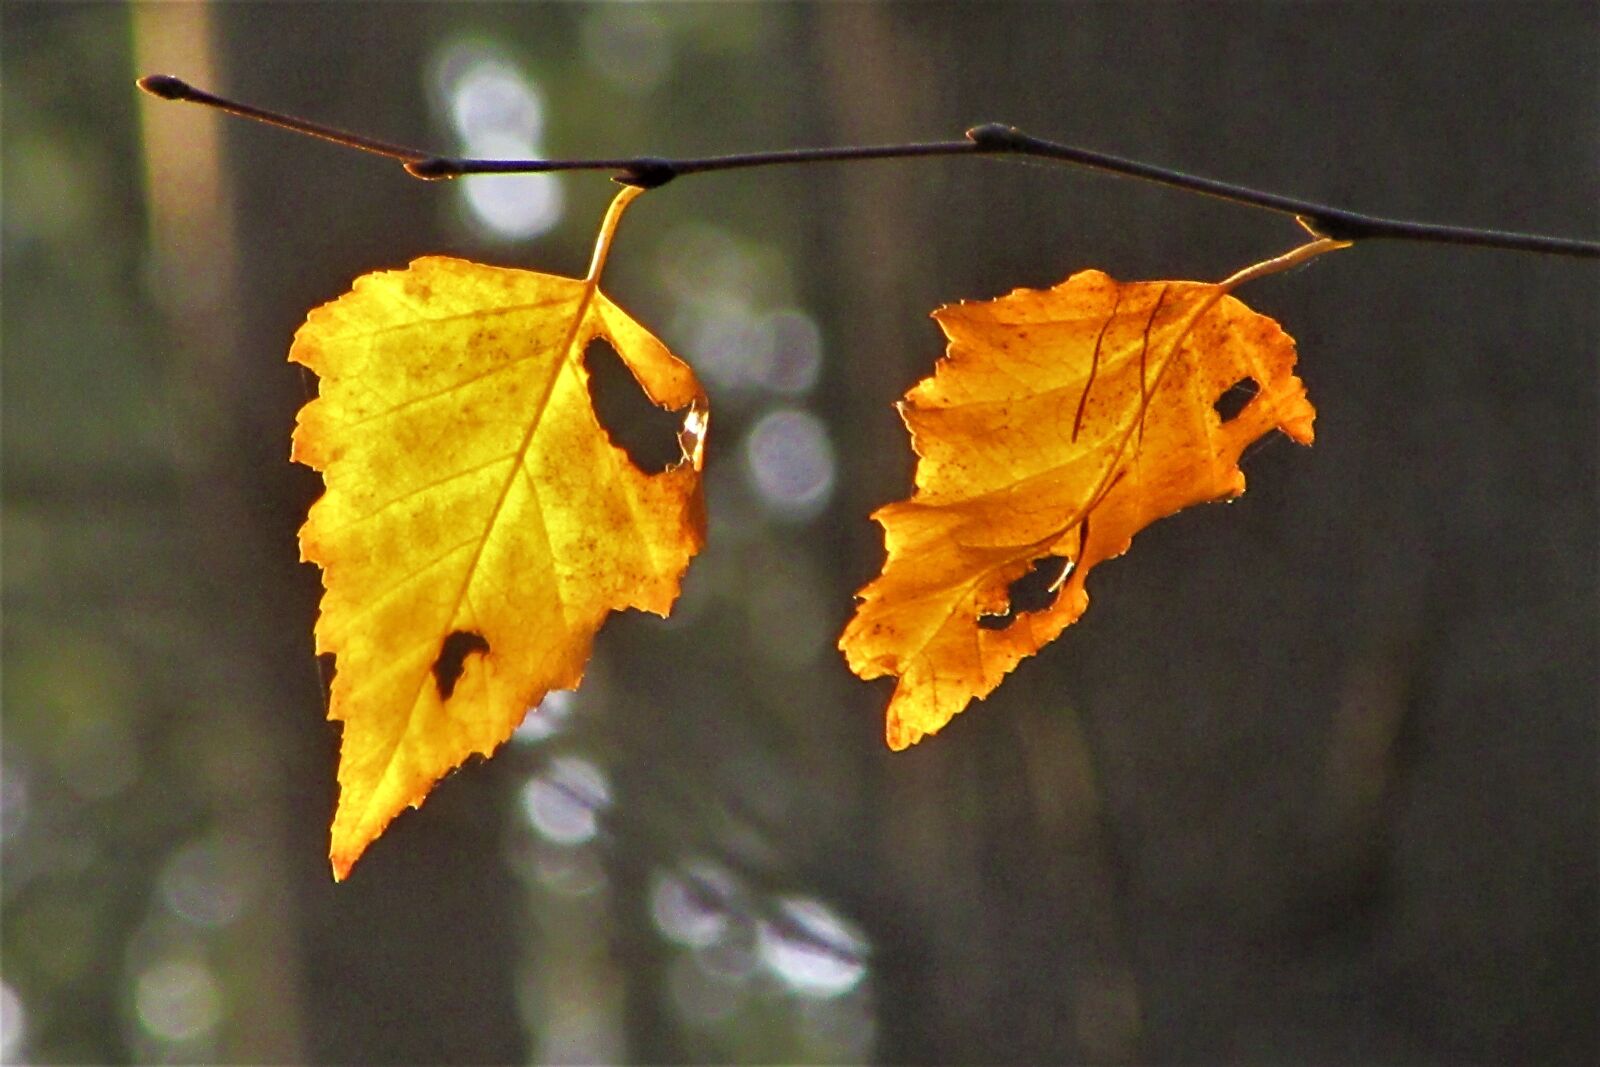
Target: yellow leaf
1059,423
479,524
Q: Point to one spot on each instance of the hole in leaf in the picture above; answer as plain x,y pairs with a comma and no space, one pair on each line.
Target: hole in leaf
1234,398
453,659
645,432
1031,592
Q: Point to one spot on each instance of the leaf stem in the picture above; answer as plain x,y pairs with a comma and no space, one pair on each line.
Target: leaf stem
608,230
1292,258
990,139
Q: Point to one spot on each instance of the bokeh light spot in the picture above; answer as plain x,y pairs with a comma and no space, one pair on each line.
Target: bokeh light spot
690,907
793,353
811,949
513,205
547,719
498,113
563,802
790,462
729,345
178,1000
490,98
208,882
627,45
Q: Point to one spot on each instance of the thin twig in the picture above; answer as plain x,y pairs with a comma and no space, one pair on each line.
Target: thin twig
991,139
169,88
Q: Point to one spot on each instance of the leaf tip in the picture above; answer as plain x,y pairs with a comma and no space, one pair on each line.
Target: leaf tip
900,737
341,861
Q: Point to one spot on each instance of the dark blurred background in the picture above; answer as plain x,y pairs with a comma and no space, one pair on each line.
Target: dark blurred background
1314,781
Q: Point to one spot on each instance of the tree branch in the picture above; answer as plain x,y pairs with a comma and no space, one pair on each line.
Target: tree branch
991,139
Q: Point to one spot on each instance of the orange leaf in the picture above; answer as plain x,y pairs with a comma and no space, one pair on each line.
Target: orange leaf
1059,423
479,524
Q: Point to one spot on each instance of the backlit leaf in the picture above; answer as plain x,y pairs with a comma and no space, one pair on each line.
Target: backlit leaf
479,523
1059,423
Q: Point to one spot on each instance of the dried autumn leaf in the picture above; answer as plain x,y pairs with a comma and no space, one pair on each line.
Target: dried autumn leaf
1059,423
479,524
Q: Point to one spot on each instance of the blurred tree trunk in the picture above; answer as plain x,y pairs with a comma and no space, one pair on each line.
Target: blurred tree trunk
997,941
195,261
414,959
